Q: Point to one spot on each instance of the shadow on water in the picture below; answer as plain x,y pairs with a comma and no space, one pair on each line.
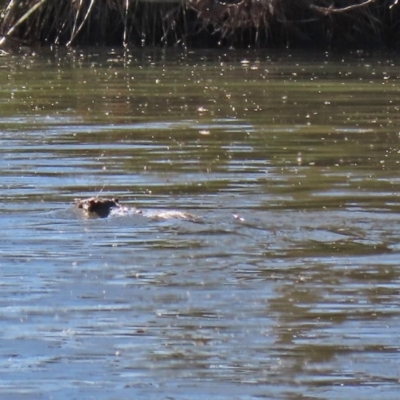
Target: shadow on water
287,289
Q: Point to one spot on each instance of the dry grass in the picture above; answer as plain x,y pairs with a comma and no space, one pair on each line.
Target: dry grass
87,21
126,22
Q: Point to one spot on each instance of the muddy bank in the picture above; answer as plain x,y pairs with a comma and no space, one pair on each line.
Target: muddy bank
204,23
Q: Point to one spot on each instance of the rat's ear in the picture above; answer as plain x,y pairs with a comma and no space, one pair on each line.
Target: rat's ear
116,200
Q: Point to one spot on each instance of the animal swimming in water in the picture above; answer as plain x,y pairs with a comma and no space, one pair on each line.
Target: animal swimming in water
102,208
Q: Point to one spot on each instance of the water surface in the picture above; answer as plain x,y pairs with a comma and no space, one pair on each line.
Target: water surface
289,288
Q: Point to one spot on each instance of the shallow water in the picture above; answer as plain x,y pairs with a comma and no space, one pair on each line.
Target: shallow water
289,288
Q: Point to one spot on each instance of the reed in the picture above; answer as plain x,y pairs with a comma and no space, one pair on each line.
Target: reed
91,22
203,22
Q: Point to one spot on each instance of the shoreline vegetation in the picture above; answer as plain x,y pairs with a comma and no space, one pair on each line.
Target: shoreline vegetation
200,23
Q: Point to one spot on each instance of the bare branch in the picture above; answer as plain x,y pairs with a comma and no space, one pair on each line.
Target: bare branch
333,10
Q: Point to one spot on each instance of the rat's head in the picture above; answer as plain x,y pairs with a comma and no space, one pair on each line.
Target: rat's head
98,207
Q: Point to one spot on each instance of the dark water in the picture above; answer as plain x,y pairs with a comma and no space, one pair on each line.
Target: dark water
288,289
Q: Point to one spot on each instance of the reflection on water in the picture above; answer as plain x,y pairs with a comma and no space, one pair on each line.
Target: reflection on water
288,289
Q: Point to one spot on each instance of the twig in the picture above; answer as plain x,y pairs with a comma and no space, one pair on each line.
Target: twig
21,20
73,36
125,39
79,7
333,10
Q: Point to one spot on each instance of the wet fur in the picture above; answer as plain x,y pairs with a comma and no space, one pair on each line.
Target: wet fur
96,206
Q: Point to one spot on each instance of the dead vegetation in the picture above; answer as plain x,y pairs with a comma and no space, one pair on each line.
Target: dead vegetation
204,22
